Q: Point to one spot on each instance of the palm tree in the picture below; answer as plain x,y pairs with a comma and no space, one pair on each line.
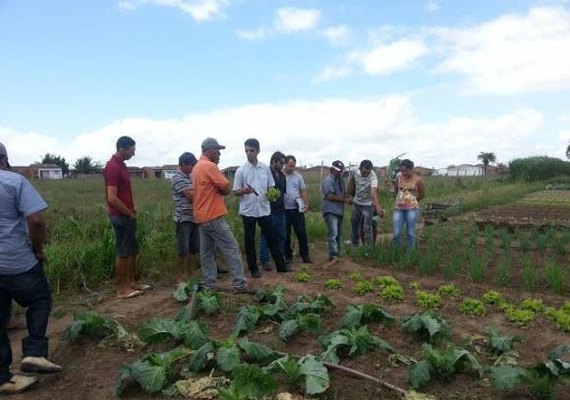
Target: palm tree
487,158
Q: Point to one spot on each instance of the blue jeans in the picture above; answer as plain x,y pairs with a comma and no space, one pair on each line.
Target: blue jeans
217,234
278,219
29,289
361,215
410,218
334,233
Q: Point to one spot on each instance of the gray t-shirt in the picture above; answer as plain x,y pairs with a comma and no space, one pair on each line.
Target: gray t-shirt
363,195
183,207
18,200
295,184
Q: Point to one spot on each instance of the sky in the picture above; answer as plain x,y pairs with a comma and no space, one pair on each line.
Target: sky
439,80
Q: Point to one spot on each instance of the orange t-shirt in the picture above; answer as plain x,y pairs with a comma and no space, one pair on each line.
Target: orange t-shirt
208,200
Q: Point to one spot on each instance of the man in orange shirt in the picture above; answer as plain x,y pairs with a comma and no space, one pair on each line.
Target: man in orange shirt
210,185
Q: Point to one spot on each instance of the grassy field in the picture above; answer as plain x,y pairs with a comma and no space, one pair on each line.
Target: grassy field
81,242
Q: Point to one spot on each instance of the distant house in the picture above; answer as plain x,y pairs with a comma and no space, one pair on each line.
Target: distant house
41,171
230,172
26,171
164,172
135,172
461,170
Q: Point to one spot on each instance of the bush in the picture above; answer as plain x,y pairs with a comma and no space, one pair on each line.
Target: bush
537,168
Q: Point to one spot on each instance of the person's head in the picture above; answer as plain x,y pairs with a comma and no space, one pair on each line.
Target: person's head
251,149
406,167
277,161
365,168
4,158
126,147
290,163
186,161
337,168
211,149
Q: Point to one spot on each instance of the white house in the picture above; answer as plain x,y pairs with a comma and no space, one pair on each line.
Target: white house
461,170
47,171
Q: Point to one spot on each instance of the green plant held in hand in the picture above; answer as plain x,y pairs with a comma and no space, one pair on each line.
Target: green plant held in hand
273,194
448,290
333,284
427,300
392,293
362,287
472,307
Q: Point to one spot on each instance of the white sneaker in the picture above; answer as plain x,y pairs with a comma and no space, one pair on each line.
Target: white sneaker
17,384
40,365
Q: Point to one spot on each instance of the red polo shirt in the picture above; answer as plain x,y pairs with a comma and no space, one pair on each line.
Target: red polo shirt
116,174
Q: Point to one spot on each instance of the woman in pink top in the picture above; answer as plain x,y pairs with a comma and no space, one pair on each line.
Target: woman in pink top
409,191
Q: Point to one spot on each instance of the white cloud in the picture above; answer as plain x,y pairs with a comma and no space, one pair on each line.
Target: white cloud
259,33
294,20
432,6
512,54
315,131
333,72
384,59
337,35
200,10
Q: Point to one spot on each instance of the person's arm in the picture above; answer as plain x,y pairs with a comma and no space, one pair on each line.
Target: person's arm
303,193
421,189
182,187
239,189
37,229
113,199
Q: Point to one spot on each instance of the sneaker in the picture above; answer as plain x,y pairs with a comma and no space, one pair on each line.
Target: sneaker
18,384
256,274
40,365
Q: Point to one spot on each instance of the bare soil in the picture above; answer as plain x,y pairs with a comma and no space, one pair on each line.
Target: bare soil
91,370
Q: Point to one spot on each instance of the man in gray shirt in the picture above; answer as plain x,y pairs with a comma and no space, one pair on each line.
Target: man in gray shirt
363,184
334,199
22,277
296,204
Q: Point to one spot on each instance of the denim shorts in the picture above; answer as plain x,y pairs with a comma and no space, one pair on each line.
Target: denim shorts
187,238
125,234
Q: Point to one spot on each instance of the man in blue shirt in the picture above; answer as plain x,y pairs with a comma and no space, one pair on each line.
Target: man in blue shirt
22,277
334,199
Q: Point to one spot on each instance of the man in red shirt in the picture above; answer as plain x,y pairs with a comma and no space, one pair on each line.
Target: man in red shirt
123,217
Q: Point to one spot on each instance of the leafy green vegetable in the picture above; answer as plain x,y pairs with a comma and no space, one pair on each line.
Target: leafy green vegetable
362,287
419,374
535,305
427,300
209,302
181,291
357,315
227,355
492,297
392,293
350,342
249,382
499,343
193,334
427,325
313,371
385,281
472,307
247,318
255,351
506,377
273,194
333,284
310,323
448,290
158,329
90,324
200,359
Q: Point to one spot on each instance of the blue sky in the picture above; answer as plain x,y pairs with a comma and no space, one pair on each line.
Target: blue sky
324,80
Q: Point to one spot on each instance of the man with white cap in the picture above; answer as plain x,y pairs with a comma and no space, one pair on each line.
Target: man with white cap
22,277
334,199
210,185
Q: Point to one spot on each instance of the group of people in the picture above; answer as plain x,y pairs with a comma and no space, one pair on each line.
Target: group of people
274,197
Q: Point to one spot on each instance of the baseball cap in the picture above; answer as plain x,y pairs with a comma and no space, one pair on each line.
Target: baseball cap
211,144
338,165
187,158
3,151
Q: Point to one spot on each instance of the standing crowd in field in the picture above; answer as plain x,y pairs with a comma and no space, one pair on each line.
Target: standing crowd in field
273,196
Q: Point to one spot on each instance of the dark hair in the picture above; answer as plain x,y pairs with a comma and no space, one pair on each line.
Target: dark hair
366,164
407,164
277,156
124,142
290,157
252,143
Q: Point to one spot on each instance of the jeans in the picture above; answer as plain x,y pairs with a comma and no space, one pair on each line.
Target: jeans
217,233
361,215
334,233
410,217
296,219
266,225
29,289
279,228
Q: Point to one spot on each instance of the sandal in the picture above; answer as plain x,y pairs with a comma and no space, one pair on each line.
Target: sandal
134,293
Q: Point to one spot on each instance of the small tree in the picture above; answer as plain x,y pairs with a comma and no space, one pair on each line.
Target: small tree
57,160
487,158
568,152
85,165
